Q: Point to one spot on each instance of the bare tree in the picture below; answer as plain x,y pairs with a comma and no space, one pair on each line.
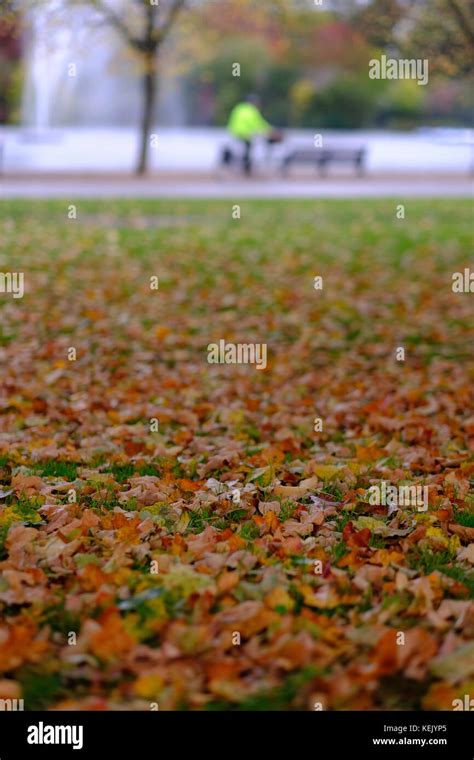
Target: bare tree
144,35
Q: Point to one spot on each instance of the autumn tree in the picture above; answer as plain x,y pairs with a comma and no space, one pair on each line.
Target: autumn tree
378,20
10,55
440,30
443,32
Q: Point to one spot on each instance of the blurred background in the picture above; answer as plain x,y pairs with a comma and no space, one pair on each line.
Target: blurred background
102,86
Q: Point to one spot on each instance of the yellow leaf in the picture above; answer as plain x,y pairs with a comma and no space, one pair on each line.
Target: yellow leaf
325,471
183,522
161,331
279,598
148,686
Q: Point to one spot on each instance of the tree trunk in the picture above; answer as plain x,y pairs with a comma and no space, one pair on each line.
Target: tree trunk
148,104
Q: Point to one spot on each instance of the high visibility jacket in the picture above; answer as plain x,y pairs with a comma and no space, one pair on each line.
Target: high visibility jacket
246,121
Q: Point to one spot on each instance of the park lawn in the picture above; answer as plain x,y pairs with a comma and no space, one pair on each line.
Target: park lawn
186,535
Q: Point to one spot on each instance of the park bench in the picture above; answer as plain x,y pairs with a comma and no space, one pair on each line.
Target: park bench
321,157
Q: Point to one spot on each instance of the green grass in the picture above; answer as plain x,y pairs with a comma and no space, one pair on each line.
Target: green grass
465,518
332,222
58,469
444,562
249,530
466,577
39,688
339,550
429,560
123,472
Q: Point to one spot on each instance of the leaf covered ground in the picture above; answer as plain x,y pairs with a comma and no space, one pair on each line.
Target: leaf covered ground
232,558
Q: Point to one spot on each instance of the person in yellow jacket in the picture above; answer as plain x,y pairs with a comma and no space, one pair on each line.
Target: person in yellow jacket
245,123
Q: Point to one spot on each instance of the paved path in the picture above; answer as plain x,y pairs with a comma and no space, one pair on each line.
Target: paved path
206,187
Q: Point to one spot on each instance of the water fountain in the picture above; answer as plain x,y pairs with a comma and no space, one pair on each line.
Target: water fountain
47,56
81,98
103,90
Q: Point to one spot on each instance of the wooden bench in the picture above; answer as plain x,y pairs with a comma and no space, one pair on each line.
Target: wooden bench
321,157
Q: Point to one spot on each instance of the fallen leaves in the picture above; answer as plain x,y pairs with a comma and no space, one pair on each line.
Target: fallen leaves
379,528
249,618
30,485
465,533
412,653
296,491
21,643
210,559
106,637
467,554
456,666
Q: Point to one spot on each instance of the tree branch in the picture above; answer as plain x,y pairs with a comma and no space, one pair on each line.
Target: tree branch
175,10
463,20
116,22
